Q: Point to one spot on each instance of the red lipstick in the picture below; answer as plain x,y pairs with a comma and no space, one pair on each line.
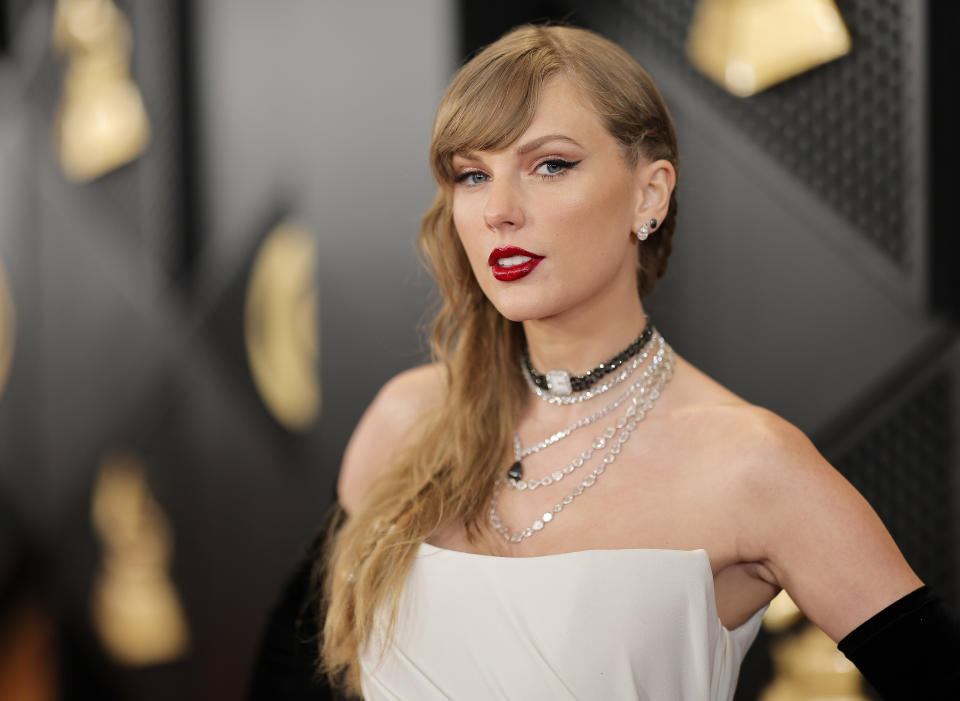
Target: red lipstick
514,269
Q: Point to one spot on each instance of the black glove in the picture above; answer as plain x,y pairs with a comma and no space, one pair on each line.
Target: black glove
910,650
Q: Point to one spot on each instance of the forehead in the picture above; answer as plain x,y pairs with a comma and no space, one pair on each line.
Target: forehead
563,109
564,104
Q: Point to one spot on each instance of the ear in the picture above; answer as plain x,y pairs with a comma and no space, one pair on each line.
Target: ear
655,183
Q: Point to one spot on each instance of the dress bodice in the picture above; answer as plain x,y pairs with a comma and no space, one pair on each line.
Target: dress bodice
591,624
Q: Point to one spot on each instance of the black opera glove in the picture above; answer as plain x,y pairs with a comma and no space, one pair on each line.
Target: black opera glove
910,650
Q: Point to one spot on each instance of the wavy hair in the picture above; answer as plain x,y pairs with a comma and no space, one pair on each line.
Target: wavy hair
448,474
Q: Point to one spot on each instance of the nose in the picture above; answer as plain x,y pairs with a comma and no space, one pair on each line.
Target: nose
503,210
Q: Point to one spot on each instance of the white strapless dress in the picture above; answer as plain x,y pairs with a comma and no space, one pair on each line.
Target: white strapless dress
593,624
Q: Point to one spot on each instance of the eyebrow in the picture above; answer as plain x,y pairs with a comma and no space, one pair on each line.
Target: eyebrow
538,142
526,148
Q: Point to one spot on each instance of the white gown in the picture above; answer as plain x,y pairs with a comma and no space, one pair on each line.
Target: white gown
593,624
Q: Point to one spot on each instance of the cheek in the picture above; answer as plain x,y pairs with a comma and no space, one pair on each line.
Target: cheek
465,225
595,213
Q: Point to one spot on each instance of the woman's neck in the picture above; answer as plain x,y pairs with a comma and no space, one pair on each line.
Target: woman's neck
577,342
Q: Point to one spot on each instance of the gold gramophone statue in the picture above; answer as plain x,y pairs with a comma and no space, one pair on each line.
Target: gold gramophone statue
135,607
101,121
280,326
746,46
807,664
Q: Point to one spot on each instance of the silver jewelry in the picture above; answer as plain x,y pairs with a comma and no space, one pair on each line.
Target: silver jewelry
624,428
560,383
646,229
642,386
520,453
594,391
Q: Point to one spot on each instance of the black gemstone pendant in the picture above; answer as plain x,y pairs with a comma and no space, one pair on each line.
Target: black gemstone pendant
515,472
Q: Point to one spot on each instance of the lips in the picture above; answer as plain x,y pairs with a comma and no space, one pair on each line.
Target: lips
511,263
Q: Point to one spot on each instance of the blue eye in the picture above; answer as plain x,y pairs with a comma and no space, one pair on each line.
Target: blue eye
472,177
554,167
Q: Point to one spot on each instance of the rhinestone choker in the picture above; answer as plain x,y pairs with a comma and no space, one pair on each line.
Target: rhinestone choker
559,383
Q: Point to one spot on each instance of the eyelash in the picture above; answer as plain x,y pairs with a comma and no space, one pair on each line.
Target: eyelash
462,177
563,163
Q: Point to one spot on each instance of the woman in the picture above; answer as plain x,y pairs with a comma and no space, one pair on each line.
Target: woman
560,506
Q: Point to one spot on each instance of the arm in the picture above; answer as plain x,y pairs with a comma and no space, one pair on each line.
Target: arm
818,538
814,534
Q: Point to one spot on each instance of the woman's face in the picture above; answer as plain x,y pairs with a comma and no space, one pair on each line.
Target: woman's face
546,222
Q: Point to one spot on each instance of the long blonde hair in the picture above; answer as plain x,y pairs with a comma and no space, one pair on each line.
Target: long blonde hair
448,474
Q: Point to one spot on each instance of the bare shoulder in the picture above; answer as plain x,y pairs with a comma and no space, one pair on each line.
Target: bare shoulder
725,422
385,427
805,526
801,523
755,438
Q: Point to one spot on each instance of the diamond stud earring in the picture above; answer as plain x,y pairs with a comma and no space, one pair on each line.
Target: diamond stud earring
646,229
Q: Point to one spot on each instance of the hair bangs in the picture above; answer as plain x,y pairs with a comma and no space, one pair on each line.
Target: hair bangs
490,104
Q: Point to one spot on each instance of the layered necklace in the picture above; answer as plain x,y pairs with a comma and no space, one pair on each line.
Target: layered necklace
516,470
640,397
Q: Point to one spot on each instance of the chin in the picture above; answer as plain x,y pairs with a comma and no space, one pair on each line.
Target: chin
513,315
518,309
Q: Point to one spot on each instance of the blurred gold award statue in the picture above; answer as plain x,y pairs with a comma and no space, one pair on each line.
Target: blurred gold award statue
807,664
280,326
748,45
136,611
101,121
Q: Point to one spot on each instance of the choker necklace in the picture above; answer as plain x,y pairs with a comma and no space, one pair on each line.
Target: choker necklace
560,384
515,473
638,410
579,397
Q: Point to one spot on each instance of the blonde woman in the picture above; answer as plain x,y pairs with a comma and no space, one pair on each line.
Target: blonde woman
560,506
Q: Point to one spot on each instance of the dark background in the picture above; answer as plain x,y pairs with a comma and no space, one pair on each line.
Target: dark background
813,273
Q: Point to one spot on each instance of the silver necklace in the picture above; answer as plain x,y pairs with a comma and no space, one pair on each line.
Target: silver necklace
624,427
520,453
578,397
515,475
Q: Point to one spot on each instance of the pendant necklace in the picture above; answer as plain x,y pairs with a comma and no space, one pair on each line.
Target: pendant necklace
624,427
515,473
